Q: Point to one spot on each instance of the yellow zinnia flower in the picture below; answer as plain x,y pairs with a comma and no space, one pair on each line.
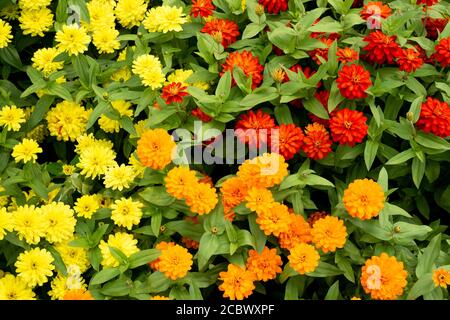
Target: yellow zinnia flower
35,266
26,151
5,33
73,39
126,212
121,241
11,118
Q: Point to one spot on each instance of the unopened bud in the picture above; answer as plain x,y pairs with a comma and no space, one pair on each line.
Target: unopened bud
397,229
105,95
214,230
278,75
410,116
259,9
217,36
162,228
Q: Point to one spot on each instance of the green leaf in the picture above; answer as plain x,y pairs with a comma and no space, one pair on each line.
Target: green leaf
315,107
345,266
207,248
157,282
257,233
224,86
333,292
415,108
429,256
283,115
423,286
157,196
325,270
118,288
372,228
408,232
252,29
401,157
81,67
143,257
370,152
431,141
418,170
259,96
10,55
100,109
104,275
315,180
383,179
58,261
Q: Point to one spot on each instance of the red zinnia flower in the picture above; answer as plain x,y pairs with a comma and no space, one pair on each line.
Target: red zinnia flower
409,60
322,52
353,80
323,97
254,128
348,126
442,52
229,30
203,8
427,2
434,26
198,113
174,93
287,140
435,117
317,142
346,55
274,6
375,10
380,48
248,63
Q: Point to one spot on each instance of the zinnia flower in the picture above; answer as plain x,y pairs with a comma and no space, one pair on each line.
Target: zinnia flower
203,8
383,277
36,22
303,258
95,160
353,80
264,265
264,171
234,190
5,33
259,199
202,199
175,262
299,231
409,60
228,30
317,142
149,69
29,224
126,212
274,220
34,266
164,19
105,40
237,282
11,117
274,6
347,55
180,181
435,117
287,140
248,63
163,245
73,255
364,198
26,151
5,222
375,10
316,216
321,52
124,242
119,177
14,288
254,128
67,120
86,206
73,39
130,13
174,93
442,52
348,126
155,148
60,222
329,233
43,61
78,294
381,48
441,277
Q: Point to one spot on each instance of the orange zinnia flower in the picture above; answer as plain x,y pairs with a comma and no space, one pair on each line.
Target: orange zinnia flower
155,148
303,258
287,140
237,282
353,80
175,262
274,220
159,298
442,52
317,142
180,181
203,8
265,265
364,198
409,60
375,9
174,93
234,191
248,63
299,231
347,55
254,128
228,30
348,126
259,199
435,117
274,6
441,277
163,245
78,294
383,277
329,233
381,48
202,199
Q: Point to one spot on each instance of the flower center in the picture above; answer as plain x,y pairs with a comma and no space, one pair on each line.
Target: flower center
347,124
